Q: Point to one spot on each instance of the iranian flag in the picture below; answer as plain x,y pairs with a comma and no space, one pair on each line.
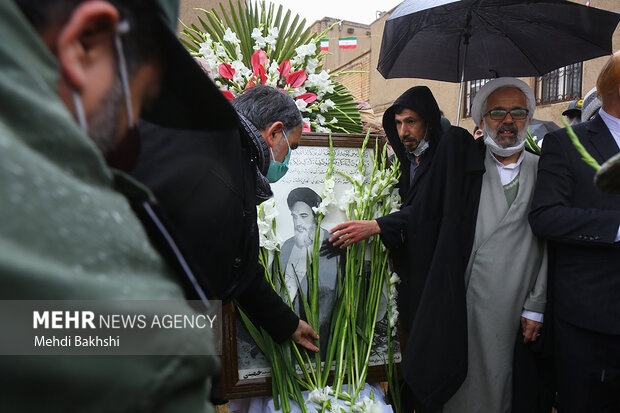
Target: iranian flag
347,42
325,44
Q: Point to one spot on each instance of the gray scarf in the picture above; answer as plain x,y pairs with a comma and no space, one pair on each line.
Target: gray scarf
259,152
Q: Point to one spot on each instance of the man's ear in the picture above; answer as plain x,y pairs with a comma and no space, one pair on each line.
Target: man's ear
272,132
84,39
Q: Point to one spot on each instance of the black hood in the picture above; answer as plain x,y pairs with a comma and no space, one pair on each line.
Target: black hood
420,100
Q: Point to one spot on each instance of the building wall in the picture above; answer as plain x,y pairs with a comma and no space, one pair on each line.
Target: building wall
357,83
337,57
189,16
383,92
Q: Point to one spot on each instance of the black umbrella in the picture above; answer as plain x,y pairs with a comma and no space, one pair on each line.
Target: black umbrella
458,40
540,128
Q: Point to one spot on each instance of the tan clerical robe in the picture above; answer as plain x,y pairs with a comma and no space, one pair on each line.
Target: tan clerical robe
506,273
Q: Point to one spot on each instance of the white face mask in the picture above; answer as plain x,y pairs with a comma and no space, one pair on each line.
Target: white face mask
420,149
491,142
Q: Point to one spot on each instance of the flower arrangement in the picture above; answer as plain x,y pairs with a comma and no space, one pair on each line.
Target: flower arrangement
364,279
257,45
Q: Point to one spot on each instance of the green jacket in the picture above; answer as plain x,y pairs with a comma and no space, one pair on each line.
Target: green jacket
67,234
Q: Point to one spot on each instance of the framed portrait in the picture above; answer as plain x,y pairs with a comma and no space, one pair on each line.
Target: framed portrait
245,371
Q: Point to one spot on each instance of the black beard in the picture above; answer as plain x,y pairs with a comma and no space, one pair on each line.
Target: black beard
103,127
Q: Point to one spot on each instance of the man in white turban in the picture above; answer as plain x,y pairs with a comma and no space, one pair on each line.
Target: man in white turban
481,270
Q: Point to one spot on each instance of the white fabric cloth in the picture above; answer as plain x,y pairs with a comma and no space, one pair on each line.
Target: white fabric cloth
507,173
265,404
534,316
478,106
613,124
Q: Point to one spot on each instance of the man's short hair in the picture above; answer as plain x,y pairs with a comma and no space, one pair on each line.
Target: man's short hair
139,45
609,78
264,105
305,195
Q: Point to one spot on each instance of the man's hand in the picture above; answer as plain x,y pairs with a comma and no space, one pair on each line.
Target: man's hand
350,232
531,329
304,336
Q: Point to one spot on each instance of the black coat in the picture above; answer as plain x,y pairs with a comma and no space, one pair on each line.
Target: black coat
206,183
432,295
394,226
581,224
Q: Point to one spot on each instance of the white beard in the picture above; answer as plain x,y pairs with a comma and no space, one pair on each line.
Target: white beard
490,139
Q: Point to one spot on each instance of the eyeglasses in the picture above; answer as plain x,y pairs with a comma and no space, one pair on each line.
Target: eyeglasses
500,114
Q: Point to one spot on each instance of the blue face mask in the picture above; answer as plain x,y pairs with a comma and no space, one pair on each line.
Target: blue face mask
278,169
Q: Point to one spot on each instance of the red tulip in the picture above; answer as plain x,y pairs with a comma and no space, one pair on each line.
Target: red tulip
296,79
307,97
285,68
259,58
226,71
228,94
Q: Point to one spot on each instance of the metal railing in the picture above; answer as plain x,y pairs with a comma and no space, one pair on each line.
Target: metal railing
560,85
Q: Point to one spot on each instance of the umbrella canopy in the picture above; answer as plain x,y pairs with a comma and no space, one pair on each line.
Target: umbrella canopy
453,40
540,128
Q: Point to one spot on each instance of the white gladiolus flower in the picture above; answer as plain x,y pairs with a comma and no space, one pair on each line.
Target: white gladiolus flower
269,209
322,129
326,105
327,197
394,278
266,214
319,396
334,121
358,179
205,49
272,36
312,65
301,105
320,119
220,51
347,199
231,37
274,68
306,50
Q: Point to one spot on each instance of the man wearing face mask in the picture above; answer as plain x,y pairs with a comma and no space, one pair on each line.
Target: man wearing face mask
480,272
209,183
74,76
413,128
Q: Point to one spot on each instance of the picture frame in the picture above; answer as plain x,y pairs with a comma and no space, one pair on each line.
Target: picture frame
241,378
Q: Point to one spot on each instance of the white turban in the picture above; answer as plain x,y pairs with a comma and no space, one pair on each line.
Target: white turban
478,106
591,105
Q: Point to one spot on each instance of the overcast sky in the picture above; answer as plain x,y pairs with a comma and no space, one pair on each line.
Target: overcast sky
359,11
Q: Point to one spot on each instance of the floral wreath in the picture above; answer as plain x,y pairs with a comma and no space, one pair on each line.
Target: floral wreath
277,52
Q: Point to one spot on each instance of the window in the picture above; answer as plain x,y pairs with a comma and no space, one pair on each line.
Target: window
471,88
560,85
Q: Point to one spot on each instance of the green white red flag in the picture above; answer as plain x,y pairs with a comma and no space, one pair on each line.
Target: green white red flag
347,42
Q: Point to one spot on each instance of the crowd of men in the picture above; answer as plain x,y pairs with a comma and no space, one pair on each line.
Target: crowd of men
126,175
